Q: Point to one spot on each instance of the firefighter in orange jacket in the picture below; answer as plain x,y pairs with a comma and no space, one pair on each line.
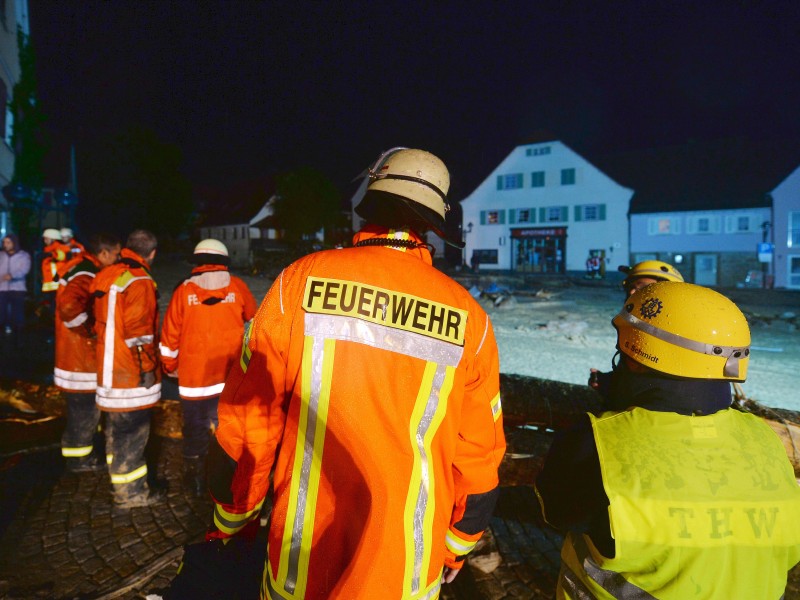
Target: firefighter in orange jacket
201,339
128,375
68,239
56,253
76,361
369,382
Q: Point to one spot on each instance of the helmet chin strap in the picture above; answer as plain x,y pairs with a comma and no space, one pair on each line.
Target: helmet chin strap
393,243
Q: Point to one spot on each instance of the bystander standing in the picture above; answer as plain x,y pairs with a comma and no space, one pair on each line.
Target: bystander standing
15,264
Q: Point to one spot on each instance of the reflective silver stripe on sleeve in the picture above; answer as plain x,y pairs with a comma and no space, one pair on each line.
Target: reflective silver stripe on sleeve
139,340
201,392
385,338
168,352
79,320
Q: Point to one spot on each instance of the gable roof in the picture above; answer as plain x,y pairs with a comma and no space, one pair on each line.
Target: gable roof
236,205
727,173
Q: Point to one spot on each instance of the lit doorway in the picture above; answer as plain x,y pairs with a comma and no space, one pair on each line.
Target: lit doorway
539,250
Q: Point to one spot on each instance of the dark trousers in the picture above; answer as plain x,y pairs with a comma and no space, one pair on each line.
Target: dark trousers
126,438
77,442
198,418
12,309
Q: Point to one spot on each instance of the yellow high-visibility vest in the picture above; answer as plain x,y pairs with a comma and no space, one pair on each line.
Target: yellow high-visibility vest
700,507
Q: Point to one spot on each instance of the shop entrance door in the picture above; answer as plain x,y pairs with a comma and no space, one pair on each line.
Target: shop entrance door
539,250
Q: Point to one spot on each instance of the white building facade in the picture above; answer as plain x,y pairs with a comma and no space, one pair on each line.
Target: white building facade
786,231
545,209
709,247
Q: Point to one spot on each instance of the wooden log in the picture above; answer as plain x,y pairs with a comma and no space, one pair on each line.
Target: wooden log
545,403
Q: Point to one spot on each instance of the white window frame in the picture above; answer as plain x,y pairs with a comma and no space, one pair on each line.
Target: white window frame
553,214
703,224
510,181
732,223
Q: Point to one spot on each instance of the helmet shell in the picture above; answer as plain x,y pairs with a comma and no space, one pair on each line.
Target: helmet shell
211,246
53,234
653,269
66,232
416,175
684,330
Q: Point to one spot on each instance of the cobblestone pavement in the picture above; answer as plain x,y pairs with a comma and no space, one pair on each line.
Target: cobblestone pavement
61,539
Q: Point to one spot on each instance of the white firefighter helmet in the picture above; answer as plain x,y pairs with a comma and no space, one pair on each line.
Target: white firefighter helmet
52,234
210,252
66,233
408,187
211,246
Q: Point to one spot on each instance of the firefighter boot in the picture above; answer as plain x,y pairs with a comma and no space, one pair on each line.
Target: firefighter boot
194,475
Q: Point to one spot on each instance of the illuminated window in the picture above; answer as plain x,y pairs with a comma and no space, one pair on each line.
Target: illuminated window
663,226
493,217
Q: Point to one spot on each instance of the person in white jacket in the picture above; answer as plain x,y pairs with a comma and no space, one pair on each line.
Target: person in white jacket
15,264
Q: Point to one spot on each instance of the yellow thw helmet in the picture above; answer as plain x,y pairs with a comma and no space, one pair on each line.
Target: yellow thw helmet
685,330
653,269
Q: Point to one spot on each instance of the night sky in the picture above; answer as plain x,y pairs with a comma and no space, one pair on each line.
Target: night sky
248,89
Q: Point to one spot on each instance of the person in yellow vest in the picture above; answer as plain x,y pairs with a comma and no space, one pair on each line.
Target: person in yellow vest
679,495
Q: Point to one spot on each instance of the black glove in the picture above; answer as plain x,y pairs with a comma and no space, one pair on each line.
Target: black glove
147,379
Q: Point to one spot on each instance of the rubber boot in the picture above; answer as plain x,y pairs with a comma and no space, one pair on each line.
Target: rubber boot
194,475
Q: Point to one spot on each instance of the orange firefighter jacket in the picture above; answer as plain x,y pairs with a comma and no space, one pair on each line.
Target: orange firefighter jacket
375,379
126,323
56,254
201,336
75,248
76,361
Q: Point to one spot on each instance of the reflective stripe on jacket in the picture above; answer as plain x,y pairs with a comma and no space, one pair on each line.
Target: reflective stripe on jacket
378,377
126,313
203,327
700,507
53,264
76,352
